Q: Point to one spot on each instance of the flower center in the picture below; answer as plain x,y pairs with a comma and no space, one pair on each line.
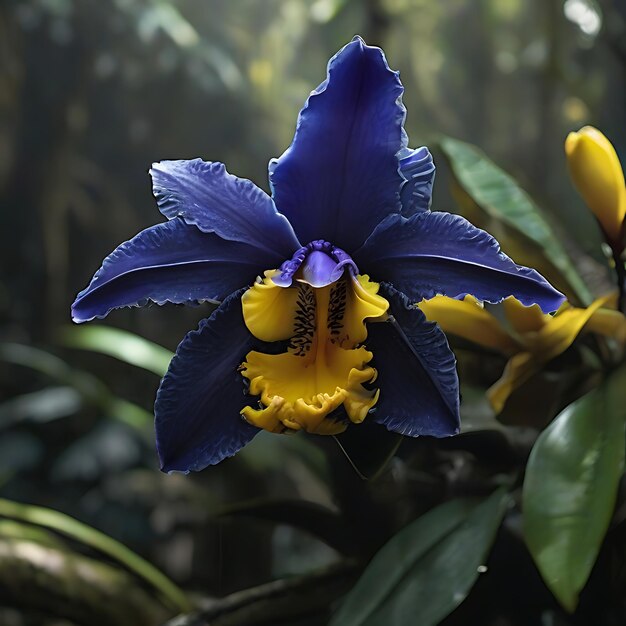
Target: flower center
324,365
319,263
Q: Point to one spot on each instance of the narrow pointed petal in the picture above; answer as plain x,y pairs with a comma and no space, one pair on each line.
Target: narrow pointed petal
518,370
555,336
419,386
205,194
524,319
340,175
560,331
170,262
468,319
609,324
198,405
440,253
418,168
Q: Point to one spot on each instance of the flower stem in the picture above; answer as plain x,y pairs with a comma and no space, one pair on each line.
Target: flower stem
620,270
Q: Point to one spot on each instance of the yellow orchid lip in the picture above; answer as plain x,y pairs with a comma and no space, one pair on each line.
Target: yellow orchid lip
325,366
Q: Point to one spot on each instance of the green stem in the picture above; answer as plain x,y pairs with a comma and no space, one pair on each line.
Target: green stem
620,270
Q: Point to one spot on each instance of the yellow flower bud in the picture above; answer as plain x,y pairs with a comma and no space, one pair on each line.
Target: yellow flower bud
598,177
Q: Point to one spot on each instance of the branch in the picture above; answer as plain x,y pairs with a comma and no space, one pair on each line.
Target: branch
67,585
271,603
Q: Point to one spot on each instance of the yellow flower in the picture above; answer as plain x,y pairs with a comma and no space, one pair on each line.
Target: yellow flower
598,177
531,338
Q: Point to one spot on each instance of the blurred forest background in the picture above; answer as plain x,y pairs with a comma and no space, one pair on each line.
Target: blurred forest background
91,93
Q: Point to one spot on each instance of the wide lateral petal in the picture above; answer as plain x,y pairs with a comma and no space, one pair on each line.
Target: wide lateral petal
170,262
434,253
198,405
205,194
340,175
418,168
417,378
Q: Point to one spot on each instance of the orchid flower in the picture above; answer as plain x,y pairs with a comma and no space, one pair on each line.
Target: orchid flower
316,329
530,339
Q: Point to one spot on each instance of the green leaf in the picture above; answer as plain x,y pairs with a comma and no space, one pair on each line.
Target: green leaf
92,389
68,526
89,387
40,406
16,530
128,412
426,570
107,448
121,344
571,485
505,208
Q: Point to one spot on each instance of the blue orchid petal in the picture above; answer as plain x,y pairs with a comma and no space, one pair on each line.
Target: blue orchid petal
170,262
198,405
205,194
418,168
440,253
417,378
340,175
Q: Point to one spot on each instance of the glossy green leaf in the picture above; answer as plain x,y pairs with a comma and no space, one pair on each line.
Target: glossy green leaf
426,570
501,200
121,344
571,485
68,526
